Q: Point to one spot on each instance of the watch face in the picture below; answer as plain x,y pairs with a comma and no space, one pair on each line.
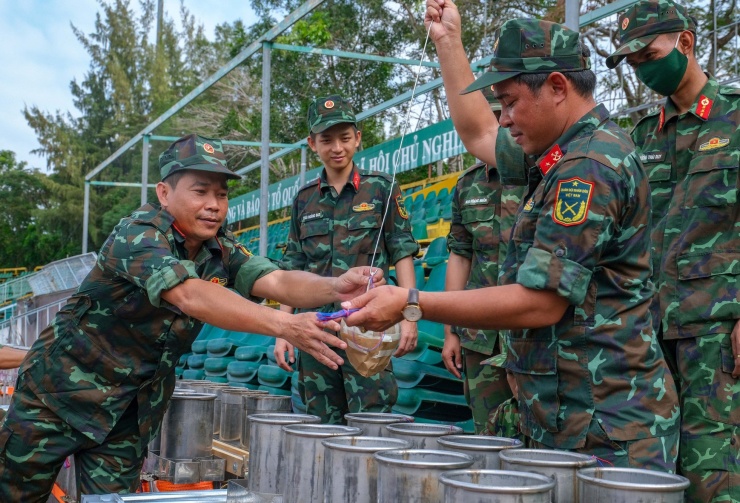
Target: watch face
412,313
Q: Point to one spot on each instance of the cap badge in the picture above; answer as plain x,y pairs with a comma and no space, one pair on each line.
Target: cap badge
625,23
328,104
208,148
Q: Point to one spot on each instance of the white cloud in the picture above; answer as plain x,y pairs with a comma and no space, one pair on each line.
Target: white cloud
40,56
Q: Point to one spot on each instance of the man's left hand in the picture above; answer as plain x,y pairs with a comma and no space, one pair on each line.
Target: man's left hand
409,336
735,341
354,282
380,308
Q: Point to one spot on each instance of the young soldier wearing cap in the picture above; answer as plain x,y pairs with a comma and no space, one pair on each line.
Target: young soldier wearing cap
336,223
483,211
98,380
576,284
691,151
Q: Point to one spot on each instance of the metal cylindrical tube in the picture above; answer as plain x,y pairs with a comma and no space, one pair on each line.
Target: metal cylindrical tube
260,404
232,412
351,471
156,442
373,423
496,486
560,465
422,436
187,427
484,449
216,390
412,475
629,485
266,460
304,459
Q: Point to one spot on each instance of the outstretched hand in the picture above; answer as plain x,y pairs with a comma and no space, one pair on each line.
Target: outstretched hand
380,308
355,281
445,19
306,332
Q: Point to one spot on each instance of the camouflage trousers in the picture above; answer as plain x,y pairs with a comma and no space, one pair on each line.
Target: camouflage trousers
504,422
34,442
654,453
710,418
330,394
485,387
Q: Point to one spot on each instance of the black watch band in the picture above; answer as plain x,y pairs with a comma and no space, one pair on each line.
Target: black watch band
413,296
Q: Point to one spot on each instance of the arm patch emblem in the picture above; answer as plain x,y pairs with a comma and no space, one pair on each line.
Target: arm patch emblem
572,201
401,208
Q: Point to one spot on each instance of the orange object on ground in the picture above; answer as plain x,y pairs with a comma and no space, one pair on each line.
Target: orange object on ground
164,486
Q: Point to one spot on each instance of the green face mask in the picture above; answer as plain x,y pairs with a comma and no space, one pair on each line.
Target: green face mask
663,75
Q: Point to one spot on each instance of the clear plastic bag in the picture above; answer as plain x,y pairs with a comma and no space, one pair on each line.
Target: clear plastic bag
370,352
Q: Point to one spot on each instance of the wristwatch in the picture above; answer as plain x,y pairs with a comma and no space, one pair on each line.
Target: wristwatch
412,311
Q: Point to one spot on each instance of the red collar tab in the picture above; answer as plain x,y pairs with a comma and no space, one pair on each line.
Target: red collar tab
356,180
704,107
178,229
661,119
550,159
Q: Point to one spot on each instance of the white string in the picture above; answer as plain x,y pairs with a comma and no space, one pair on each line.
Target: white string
396,158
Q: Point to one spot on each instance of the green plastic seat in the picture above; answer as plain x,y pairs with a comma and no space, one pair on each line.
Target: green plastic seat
436,280
437,252
431,200
270,375
424,353
197,361
432,215
414,374
251,353
220,347
419,229
217,379
443,194
217,366
242,371
194,374
199,347
419,274
418,202
237,384
411,400
467,426
446,213
183,359
275,391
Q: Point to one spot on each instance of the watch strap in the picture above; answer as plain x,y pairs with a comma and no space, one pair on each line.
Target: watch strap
413,296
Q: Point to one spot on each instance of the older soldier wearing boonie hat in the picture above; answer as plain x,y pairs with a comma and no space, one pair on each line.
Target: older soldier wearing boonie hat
98,380
575,289
690,147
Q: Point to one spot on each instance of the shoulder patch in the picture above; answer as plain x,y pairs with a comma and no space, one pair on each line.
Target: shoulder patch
219,281
401,208
572,201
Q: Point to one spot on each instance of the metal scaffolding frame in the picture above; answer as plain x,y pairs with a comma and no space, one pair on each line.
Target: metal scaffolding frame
266,43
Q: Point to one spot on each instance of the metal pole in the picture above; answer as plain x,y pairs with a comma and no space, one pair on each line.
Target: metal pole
572,13
304,153
144,168
265,154
714,36
85,216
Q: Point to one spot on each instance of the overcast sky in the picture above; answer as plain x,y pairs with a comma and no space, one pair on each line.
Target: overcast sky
39,57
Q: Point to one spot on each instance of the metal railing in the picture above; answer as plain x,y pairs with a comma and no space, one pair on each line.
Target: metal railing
24,329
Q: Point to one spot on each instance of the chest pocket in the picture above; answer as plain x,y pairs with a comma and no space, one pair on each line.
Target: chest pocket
314,236
480,221
712,180
661,187
363,231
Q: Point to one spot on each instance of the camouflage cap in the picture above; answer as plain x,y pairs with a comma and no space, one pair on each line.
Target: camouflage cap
532,46
488,93
197,153
329,111
644,21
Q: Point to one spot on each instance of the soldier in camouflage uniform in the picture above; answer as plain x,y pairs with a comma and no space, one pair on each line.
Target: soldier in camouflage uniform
483,212
98,380
691,151
335,224
575,289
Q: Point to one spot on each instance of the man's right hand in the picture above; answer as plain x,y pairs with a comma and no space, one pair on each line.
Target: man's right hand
306,332
451,354
281,347
445,19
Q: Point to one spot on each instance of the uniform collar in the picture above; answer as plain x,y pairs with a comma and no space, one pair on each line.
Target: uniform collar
585,124
353,180
701,108
212,244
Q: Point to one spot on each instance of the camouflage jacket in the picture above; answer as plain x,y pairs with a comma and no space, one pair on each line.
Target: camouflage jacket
692,162
330,232
583,232
483,212
117,340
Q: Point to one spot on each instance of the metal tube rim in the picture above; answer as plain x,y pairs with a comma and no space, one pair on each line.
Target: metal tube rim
547,483
679,483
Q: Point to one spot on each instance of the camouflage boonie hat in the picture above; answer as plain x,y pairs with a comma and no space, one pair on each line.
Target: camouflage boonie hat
488,93
197,153
532,46
644,21
324,113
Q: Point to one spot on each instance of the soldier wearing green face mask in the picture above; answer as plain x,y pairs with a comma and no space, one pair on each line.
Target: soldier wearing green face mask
691,151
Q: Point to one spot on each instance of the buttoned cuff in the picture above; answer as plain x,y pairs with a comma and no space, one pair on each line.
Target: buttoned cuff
401,245
252,270
167,278
543,270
